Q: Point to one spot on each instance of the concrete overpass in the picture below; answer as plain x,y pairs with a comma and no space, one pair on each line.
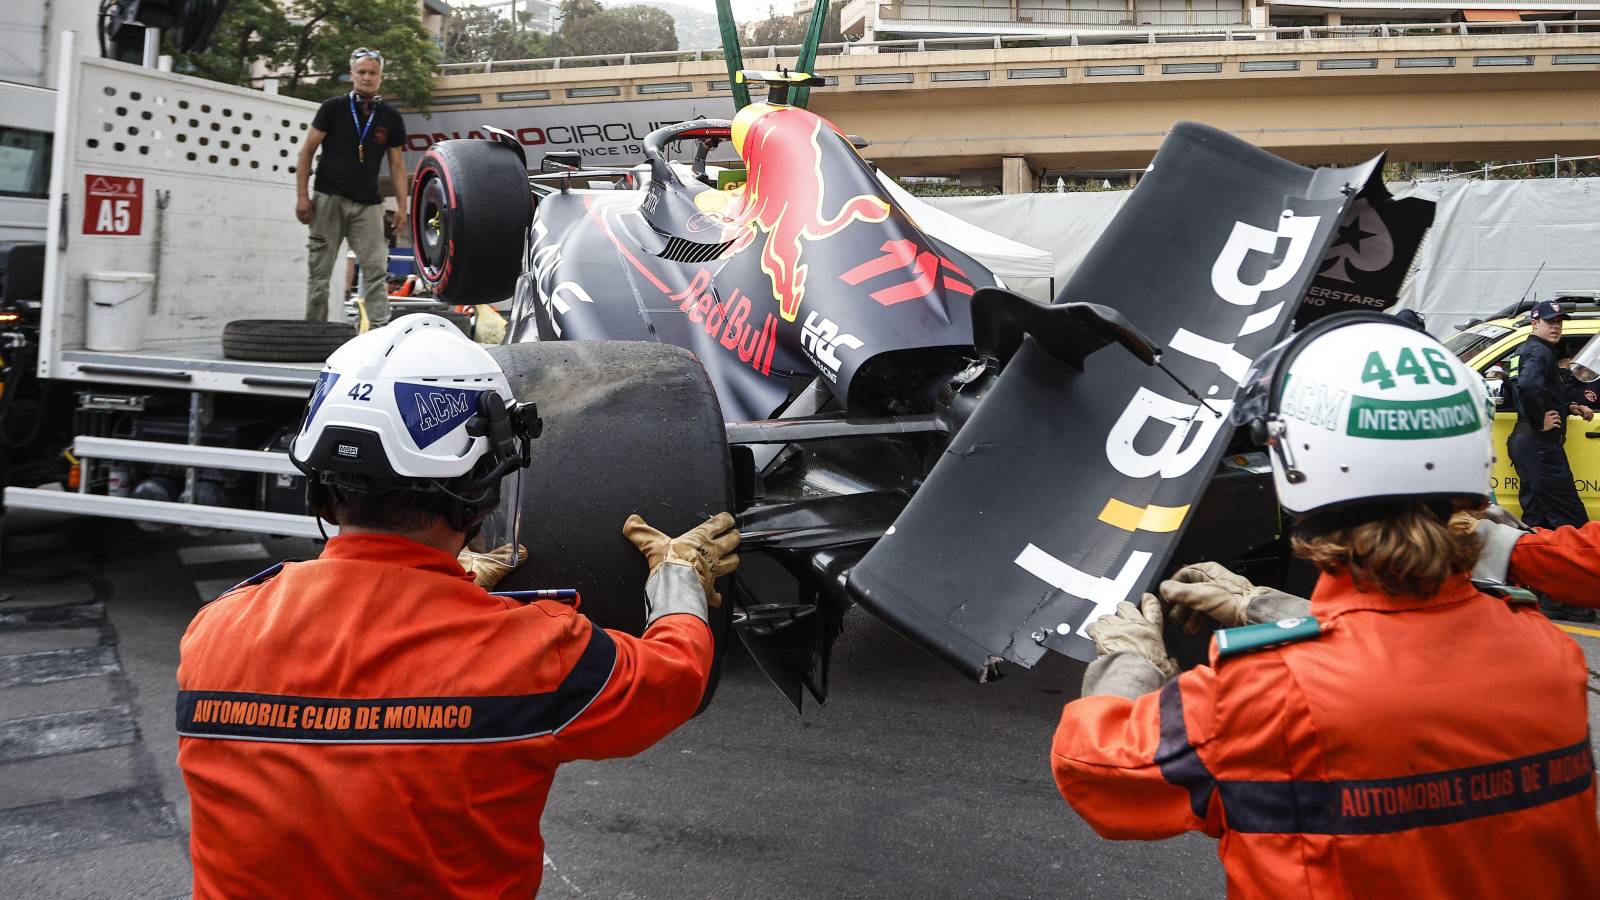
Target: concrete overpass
1007,115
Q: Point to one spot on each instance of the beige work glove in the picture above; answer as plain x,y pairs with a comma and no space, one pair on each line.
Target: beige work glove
487,569
1211,590
707,550
1136,630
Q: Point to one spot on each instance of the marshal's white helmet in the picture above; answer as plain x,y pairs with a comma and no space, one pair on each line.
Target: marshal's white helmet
1359,408
414,404
405,392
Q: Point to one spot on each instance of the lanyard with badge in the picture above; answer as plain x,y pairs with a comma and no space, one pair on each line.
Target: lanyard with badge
361,130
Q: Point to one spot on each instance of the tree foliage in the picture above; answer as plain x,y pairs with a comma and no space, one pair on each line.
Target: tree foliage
250,31
587,30
573,10
475,34
783,30
306,44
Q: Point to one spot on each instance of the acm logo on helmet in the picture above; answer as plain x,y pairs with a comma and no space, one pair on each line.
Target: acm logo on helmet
431,411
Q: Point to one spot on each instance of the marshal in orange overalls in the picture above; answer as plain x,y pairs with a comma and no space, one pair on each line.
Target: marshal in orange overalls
1562,562
373,724
1419,747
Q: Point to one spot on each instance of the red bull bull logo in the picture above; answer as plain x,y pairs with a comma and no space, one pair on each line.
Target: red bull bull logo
783,200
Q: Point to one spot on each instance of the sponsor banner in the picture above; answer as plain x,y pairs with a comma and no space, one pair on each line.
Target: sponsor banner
1370,255
112,204
603,133
1067,490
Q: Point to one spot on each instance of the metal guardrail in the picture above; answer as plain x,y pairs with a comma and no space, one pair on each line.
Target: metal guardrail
1094,35
1554,162
923,12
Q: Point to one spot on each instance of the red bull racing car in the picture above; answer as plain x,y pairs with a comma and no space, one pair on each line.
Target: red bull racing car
894,428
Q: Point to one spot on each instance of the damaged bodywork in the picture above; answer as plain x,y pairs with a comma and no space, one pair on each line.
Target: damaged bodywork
984,472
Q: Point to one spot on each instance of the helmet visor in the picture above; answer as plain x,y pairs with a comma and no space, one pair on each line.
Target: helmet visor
1586,362
503,527
1254,399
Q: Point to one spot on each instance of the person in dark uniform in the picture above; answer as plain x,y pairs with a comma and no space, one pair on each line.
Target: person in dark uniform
1538,442
1578,393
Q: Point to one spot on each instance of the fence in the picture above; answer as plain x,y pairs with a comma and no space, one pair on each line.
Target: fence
1150,35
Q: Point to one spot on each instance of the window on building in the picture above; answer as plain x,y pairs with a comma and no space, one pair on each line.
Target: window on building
24,163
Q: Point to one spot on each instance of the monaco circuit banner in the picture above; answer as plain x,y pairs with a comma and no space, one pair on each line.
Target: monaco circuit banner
1067,491
605,134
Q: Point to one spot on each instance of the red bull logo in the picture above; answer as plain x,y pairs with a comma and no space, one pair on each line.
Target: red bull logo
783,200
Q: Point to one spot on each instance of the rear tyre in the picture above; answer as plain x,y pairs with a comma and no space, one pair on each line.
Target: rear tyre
470,211
629,427
283,340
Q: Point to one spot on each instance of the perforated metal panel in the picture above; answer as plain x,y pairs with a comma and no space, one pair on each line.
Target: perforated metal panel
187,125
216,218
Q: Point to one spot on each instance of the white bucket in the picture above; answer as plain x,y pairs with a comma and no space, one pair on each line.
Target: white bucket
119,305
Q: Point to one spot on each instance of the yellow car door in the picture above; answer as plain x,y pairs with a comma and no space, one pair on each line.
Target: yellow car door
1583,438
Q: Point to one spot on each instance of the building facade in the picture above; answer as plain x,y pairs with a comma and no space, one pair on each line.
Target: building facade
895,19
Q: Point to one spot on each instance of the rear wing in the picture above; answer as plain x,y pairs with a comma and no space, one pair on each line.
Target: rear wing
1068,489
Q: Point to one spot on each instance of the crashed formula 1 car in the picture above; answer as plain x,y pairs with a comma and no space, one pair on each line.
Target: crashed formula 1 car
893,428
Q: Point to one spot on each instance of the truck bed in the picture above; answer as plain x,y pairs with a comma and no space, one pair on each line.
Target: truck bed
195,363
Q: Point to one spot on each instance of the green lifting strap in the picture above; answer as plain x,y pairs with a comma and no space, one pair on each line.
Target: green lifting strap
731,54
808,50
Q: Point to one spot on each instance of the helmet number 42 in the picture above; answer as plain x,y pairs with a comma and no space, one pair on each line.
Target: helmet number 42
1407,365
361,391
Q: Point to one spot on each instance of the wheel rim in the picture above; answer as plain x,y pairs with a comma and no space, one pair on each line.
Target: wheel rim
433,228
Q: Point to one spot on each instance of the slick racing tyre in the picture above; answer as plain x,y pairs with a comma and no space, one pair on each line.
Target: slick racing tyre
283,340
628,428
470,211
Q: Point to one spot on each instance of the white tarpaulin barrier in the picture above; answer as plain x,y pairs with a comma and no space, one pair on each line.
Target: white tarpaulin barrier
1063,225
1010,259
1489,240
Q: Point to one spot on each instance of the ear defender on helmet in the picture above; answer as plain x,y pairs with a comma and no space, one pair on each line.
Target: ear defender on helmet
1359,407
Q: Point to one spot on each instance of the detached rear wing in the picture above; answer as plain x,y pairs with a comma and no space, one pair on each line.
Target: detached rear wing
1068,489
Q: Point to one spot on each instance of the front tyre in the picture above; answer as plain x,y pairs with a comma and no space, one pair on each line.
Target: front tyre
470,211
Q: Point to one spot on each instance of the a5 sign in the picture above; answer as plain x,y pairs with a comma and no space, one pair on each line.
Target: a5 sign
113,205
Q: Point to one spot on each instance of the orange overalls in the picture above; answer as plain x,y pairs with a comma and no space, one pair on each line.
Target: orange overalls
1419,747
371,723
1562,562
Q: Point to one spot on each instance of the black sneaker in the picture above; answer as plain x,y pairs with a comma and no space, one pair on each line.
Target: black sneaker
1565,611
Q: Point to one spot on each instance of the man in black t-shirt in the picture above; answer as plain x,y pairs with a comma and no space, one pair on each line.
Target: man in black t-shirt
355,131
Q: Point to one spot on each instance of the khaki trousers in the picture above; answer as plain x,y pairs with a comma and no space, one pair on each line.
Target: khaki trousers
335,220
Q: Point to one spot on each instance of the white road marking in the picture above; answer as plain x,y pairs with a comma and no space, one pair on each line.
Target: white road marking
214,553
564,879
209,589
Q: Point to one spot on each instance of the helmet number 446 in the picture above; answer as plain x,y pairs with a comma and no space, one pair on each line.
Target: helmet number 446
1406,364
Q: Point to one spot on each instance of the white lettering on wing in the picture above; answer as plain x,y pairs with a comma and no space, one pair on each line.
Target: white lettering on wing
1104,593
